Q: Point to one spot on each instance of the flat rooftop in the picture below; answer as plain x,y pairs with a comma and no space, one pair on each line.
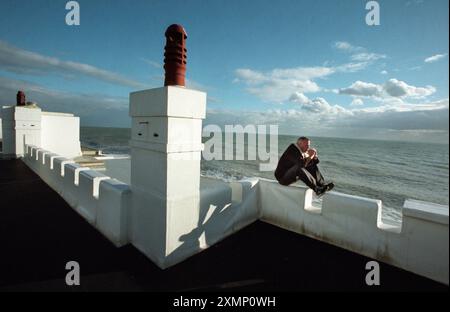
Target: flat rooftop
40,233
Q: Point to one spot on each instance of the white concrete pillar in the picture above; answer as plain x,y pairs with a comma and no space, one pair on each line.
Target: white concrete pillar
165,170
20,125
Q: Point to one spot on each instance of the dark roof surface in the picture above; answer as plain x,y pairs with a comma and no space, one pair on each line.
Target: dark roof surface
40,233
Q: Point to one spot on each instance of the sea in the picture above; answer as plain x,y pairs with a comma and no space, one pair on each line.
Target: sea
391,171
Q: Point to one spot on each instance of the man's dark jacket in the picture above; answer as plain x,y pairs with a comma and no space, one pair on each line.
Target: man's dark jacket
290,158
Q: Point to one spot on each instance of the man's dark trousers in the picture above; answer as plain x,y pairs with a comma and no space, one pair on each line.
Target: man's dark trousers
310,175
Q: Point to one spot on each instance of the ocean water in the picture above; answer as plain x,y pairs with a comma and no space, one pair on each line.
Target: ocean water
386,170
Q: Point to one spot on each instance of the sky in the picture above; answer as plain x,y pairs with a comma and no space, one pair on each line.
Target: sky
312,67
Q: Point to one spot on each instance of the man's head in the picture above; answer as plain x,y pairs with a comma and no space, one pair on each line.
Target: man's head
303,143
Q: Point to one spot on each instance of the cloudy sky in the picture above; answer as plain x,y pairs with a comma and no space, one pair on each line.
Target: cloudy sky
312,67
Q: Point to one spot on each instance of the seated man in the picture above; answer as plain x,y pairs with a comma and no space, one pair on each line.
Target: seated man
299,161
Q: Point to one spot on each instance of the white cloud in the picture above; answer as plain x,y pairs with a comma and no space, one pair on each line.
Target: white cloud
384,72
152,63
360,57
92,108
428,120
318,105
284,84
21,61
367,57
357,102
191,84
321,106
250,76
396,105
435,58
347,47
361,88
352,67
299,98
392,88
278,85
302,73
399,88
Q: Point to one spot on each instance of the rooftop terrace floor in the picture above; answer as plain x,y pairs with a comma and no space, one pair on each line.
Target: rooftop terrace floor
40,233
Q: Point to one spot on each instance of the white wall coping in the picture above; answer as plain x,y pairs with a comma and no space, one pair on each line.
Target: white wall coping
164,102
426,211
58,114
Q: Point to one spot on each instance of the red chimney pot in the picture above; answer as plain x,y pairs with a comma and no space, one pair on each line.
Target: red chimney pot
20,98
175,56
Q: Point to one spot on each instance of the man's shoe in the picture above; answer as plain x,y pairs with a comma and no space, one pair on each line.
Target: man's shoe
320,190
329,187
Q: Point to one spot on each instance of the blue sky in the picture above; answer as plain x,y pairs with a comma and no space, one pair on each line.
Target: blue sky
312,67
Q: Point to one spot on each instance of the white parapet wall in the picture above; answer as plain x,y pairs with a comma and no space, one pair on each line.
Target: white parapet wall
169,212
100,200
419,244
56,132
106,203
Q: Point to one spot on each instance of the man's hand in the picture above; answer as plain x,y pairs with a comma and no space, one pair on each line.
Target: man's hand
312,153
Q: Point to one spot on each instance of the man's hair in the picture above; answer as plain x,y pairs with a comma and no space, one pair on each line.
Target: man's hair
303,138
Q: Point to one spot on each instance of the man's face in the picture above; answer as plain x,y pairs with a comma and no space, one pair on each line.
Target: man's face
304,145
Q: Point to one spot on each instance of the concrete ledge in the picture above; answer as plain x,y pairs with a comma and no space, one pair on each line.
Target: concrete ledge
426,211
58,172
284,206
40,163
88,189
49,158
356,210
33,157
420,244
46,167
70,183
112,210
426,243
28,153
245,193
